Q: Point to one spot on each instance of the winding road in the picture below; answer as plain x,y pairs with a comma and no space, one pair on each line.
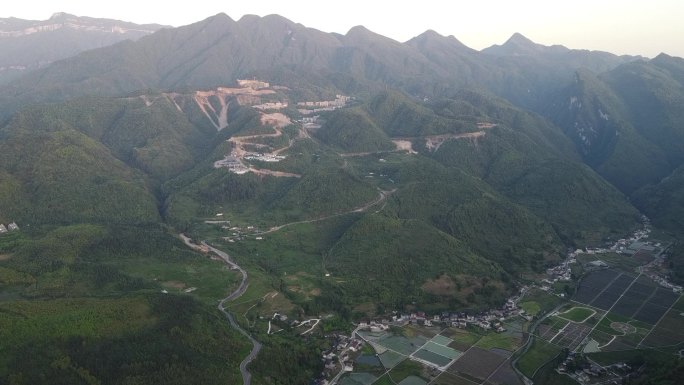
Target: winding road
256,345
242,288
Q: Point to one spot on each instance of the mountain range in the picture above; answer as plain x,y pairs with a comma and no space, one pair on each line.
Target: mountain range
27,45
397,168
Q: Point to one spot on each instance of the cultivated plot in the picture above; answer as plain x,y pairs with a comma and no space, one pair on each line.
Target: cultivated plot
593,284
390,359
505,375
669,331
571,335
447,378
436,352
477,363
358,379
623,294
402,345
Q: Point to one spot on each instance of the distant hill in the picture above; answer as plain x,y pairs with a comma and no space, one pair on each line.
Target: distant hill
27,45
218,50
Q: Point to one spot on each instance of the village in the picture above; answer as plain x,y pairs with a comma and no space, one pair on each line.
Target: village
341,357
343,354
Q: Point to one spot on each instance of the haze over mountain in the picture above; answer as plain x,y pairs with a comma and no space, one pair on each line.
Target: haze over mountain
367,175
26,45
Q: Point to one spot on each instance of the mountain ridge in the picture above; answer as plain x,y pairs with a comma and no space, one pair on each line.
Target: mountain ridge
27,45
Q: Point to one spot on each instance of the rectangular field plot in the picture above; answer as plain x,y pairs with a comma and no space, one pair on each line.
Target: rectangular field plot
664,297
593,284
650,313
442,350
434,358
477,363
402,344
628,306
413,380
447,378
607,298
390,359
358,379
669,331
442,340
505,375
463,339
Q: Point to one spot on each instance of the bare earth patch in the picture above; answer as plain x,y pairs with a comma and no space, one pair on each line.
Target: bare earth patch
276,119
443,285
622,327
315,292
404,145
4,257
174,284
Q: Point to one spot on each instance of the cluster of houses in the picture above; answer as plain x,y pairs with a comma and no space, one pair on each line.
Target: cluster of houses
253,84
233,164
635,245
562,272
587,372
489,320
263,157
485,125
340,355
340,101
653,271
310,108
10,227
311,122
271,106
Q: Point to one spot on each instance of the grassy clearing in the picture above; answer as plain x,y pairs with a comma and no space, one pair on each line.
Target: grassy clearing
539,354
577,314
499,340
544,300
213,279
531,307
462,337
621,262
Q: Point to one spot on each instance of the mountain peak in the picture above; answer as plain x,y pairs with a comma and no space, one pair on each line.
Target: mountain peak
431,38
520,40
358,30
61,15
220,17
360,33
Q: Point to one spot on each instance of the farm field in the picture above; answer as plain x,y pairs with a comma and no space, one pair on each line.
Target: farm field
477,363
633,297
447,378
616,311
668,331
539,354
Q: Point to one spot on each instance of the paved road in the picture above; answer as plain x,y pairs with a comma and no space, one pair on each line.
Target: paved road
256,345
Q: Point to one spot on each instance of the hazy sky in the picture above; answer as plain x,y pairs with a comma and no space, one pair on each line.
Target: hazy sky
620,26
